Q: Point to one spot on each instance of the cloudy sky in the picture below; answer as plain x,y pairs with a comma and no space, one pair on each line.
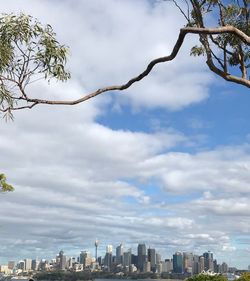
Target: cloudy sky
166,162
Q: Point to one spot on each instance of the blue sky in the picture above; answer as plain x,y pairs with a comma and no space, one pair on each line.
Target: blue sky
166,162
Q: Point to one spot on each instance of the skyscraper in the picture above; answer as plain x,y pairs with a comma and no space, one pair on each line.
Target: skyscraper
208,260
119,254
142,256
152,259
62,260
177,262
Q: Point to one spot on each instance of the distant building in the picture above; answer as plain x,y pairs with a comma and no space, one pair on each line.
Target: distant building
177,262
152,259
167,265
208,261
62,260
11,265
27,264
127,258
142,256
119,254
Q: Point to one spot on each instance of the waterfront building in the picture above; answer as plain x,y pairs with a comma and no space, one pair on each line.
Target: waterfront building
62,260
142,256
208,261
178,262
27,264
119,254
11,265
152,259
146,267
127,258
201,264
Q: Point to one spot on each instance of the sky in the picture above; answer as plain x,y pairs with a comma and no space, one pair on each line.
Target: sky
166,162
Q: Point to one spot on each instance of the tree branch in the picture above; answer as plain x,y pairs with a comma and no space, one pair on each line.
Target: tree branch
183,32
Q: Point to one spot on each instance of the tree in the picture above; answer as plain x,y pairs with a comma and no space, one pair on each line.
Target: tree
4,186
207,277
245,277
29,51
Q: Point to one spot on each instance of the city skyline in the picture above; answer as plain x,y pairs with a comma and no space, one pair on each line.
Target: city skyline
145,260
166,162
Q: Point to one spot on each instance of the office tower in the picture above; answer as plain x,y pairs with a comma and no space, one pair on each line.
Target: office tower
109,249
85,258
119,254
62,260
201,264
35,264
127,258
224,267
142,256
108,261
167,265
152,259
134,260
27,264
208,261
188,262
177,262
146,267
21,265
158,258
108,257
11,265
196,264
215,266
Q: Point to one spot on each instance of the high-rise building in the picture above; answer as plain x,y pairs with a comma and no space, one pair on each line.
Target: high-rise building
11,265
188,262
152,259
35,264
62,260
167,265
127,258
109,249
85,259
119,254
208,261
142,256
27,264
178,262
201,264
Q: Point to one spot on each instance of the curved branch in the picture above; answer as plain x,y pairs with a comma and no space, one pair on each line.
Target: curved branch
183,32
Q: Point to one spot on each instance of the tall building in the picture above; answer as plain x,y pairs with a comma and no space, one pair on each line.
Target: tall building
62,260
109,249
152,259
27,264
108,257
208,261
11,265
142,256
127,258
85,259
201,264
35,264
119,254
178,262
188,262
167,265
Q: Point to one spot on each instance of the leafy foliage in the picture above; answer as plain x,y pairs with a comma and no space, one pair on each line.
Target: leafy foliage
225,52
4,186
245,277
28,52
207,277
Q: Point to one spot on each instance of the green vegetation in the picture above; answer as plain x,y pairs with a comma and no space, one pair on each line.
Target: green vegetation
28,52
206,277
245,277
4,186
